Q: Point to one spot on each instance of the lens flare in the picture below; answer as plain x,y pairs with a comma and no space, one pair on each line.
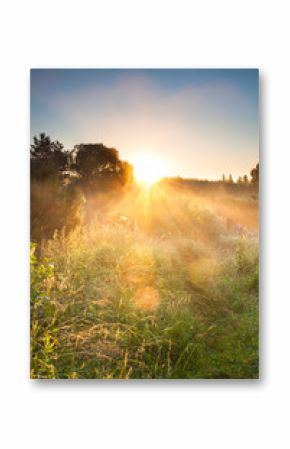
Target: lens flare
148,168
147,298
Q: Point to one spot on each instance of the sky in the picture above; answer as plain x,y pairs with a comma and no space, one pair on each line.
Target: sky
201,123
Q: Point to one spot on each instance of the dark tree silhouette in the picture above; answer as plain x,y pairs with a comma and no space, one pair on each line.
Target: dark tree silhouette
255,175
47,157
95,162
245,179
43,146
54,204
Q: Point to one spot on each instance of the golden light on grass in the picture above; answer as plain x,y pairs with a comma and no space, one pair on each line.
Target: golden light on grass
148,168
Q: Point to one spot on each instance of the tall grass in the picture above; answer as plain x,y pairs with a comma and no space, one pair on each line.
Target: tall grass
157,287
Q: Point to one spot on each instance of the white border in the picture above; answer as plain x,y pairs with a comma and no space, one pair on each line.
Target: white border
206,414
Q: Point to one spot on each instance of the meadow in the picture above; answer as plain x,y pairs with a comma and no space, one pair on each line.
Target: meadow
151,283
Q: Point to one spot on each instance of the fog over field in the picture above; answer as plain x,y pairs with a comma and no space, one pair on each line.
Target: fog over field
146,282
144,223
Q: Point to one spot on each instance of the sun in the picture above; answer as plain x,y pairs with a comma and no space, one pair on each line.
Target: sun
148,168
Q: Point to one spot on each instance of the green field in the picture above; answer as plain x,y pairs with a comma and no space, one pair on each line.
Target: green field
152,284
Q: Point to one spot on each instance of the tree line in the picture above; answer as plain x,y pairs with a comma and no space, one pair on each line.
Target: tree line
89,163
92,163
67,185
64,182
244,180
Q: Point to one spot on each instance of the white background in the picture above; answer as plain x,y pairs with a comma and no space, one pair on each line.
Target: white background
138,414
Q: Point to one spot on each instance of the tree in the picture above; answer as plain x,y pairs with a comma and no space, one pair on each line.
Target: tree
224,179
97,162
255,175
47,157
240,180
230,179
43,147
245,179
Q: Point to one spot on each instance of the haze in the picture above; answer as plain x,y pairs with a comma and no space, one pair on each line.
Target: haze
201,123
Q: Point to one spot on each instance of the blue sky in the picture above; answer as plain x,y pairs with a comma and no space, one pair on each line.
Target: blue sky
200,122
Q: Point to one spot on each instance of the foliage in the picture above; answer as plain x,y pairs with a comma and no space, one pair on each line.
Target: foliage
255,175
47,157
159,287
134,283
95,162
54,206
63,181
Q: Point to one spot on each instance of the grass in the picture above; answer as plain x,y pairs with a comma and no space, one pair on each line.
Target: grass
164,290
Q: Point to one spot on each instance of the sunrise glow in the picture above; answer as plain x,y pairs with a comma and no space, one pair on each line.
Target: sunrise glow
148,168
